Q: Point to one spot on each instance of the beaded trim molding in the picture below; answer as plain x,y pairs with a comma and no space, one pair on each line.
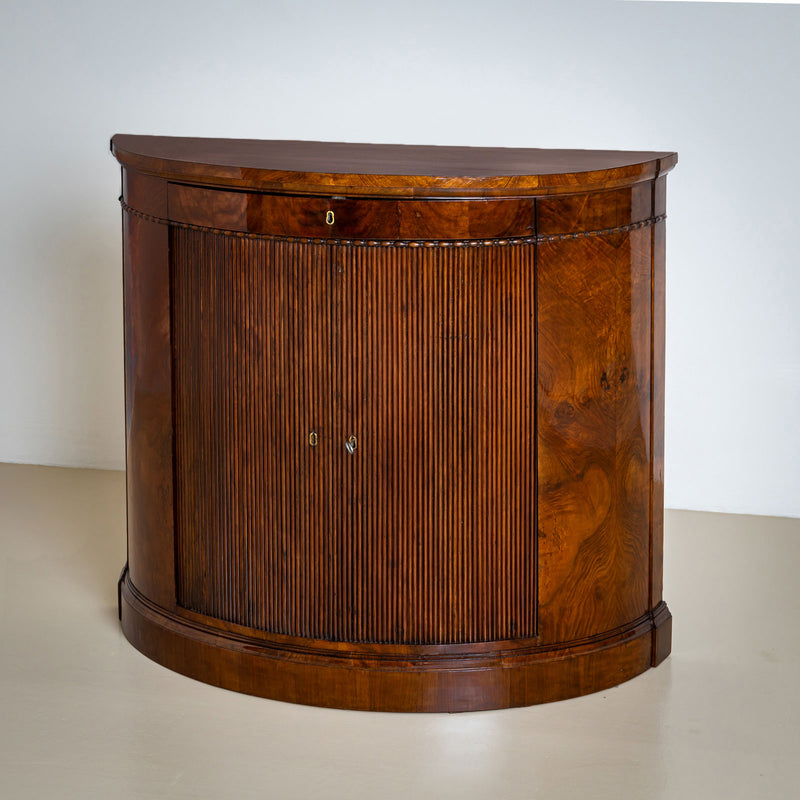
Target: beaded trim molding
539,239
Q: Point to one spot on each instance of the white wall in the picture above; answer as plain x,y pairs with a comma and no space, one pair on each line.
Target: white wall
718,83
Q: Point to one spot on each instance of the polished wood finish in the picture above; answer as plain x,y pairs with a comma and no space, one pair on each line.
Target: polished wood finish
385,169
593,414
491,348
353,218
148,392
429,362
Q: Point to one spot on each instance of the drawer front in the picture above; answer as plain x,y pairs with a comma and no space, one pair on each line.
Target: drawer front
351,218
597,211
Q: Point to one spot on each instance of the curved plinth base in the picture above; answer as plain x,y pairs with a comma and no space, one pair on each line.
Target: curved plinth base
374,677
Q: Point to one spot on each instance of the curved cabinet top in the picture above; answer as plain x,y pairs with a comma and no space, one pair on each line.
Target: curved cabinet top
380,170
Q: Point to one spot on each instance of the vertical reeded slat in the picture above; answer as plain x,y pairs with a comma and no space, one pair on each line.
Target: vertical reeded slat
426,533
435,363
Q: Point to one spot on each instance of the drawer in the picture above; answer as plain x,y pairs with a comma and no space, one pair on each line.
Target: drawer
351,218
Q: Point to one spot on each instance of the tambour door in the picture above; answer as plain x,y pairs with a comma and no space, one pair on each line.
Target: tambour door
355,430
251,334
434,376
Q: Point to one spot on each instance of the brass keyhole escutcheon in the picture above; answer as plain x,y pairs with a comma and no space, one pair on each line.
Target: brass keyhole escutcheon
329,218
313,439
351,445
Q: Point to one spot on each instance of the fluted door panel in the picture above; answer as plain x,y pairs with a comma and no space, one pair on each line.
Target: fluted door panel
252,381
425,533
438,500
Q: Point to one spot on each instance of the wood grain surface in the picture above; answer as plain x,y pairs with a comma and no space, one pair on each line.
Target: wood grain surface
594,432
424,355
344,168
148,393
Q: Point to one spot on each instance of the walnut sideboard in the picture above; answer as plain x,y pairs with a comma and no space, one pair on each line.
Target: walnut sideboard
395,419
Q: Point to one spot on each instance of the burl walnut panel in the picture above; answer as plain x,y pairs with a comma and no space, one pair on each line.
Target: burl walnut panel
594,432
395,437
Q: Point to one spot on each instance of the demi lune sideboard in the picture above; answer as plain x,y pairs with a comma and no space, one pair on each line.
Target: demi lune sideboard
395,419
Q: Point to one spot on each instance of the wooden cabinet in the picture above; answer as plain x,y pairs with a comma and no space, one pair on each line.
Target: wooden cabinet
394,419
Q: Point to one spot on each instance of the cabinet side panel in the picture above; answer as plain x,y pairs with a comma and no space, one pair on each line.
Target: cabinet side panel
252,383
437,541
594,361
659,326
148,409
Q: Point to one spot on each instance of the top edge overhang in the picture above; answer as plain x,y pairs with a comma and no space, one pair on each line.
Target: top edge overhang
379,170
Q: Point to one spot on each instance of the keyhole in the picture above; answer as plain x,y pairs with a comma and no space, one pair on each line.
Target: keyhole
329,218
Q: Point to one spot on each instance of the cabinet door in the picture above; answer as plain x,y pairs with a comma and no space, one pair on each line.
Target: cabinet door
434,377
251,333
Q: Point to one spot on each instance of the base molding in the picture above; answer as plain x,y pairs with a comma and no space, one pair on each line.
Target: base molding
375,677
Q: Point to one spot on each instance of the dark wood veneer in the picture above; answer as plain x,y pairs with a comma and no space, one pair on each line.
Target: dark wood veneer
385,169
489,325
353,218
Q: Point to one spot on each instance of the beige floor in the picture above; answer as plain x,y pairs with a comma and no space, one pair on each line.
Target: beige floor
84,715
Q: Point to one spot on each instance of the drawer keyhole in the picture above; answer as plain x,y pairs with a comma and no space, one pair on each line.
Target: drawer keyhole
329,218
